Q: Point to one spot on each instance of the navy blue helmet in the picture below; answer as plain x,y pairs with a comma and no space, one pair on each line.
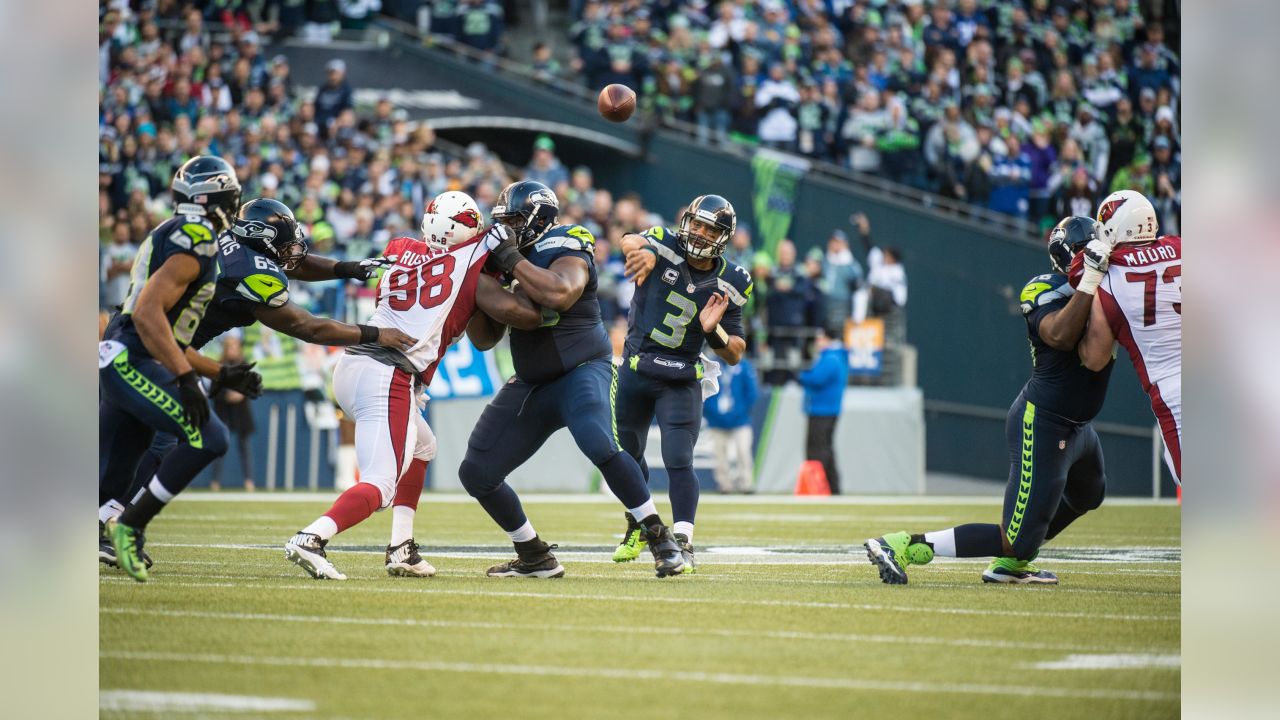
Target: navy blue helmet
528,208
1069,237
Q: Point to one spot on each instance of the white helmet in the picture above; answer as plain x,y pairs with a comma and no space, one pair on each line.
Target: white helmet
451,218
1127,217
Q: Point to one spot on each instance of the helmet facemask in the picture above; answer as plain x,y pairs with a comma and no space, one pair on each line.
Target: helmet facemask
702,239
528,226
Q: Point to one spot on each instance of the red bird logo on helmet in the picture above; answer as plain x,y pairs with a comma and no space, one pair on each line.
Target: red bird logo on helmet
468,217
1109,208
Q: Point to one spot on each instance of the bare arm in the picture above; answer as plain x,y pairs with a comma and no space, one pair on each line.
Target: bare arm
484,331
158,295
1098,343
510,308
710,317
296,322
641,259
313,268
205,366
1061,329
557,287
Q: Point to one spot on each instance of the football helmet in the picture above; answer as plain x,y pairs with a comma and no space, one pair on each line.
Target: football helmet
1069,237
206,185
529,209
268,226
451,218
706,226
1127,216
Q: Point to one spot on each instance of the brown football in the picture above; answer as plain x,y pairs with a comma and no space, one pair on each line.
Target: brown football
616,103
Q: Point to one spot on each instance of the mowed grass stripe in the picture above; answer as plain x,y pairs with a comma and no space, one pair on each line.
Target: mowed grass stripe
630,629
632,674
434,589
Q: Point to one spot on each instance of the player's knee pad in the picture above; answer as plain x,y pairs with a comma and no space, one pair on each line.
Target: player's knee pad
425,449
477,481
214,439
677,449
162,444
1089,497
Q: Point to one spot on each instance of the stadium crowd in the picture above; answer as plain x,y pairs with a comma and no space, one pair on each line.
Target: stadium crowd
359,176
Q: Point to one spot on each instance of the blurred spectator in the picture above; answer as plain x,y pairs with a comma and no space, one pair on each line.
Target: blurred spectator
545,167
1168,194
885,292
728,415
1079,197
334,97
824,385
1011,180
1136,176
841,275
791,311
234,410
117,263
545,67
713,98
775,100
1092,139
479,24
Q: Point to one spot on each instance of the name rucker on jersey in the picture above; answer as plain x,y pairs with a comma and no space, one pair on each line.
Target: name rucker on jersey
665,308
182,234
566,339
428,294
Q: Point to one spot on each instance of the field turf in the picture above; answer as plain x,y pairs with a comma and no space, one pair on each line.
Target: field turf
784,619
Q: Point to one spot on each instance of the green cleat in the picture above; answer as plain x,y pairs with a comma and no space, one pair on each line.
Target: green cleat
1011,571
633,542
126,542
892,553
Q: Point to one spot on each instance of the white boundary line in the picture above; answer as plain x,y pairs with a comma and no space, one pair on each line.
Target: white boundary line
186,702
630,630
434,589
534,498
633,674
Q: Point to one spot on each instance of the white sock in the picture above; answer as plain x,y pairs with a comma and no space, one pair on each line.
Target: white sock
644,511
943,542
110,510
158,491
683,528
401,524
324,526
524,533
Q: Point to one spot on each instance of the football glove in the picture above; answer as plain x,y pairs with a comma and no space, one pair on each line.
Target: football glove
1096,255
242,378
194,404
502,246
363,269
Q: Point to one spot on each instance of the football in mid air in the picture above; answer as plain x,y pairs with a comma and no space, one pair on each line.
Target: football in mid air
616,103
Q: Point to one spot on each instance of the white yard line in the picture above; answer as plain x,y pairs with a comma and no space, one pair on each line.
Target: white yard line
594,499
614,629
182,702
631,674
435,590
1113,661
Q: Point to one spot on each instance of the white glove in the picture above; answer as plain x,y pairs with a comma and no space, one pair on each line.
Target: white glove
496,235
421,399
1096,256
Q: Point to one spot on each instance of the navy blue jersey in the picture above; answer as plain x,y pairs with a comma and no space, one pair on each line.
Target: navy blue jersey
182,234
1060,383
246,280
566,339
664,310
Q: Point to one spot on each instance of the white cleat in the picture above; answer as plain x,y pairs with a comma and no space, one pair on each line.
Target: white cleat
307,552
403,560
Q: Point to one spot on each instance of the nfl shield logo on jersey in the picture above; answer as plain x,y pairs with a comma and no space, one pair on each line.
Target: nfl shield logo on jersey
669,276
1062,444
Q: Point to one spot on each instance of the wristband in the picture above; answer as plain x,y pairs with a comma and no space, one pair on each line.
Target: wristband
718,338
368,334
348,269
1089,281
650,248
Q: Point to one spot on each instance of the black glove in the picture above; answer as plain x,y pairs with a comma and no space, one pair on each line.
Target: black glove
194,403
363,269
502,246
240,378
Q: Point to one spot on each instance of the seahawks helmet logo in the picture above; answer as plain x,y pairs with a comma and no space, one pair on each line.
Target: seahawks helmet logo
542,196
255,229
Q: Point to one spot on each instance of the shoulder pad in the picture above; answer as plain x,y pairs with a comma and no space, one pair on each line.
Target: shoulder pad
194,233
571,237
264,288
1044,289
736,282
663,240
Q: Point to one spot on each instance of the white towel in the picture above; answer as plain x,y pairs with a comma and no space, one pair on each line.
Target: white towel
710,375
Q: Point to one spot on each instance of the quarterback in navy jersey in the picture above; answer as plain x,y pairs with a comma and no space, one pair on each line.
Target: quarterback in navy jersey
250,266
687,293
565,377
1057,472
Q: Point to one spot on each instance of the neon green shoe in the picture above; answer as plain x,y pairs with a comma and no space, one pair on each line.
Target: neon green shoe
892,553
1011,571
633,542
126,541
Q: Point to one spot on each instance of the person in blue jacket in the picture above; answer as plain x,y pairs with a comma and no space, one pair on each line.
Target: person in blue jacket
824,385
728,415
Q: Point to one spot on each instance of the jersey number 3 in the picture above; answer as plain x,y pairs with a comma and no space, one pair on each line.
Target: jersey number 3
433,283
678,322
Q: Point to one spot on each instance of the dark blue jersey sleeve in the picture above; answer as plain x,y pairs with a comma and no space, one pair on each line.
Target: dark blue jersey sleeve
565,240
1042,295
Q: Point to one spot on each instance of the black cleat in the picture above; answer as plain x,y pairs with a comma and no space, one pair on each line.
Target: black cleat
667,558
107,551
686,553
534,559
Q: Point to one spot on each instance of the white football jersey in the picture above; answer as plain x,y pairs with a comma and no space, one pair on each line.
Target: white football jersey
430,295
1142,298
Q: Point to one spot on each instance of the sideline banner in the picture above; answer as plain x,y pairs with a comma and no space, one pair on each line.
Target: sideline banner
777,177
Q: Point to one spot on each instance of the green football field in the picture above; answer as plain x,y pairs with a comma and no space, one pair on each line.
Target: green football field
784,619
